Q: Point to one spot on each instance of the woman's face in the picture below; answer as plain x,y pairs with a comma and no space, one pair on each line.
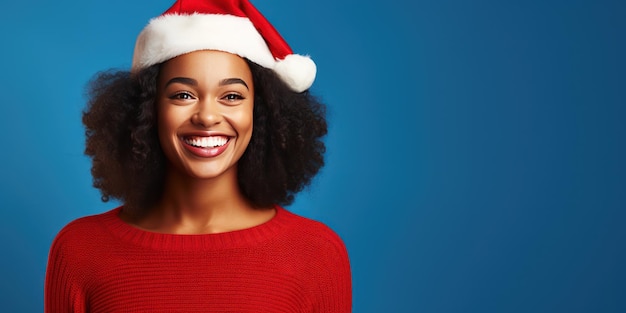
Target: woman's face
204,104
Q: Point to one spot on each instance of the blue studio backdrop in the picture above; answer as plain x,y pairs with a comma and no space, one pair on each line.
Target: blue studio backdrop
476,153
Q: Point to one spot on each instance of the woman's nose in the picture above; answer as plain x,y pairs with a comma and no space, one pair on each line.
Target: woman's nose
208,114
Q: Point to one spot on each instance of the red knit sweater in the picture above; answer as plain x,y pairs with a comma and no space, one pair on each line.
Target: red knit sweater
288,264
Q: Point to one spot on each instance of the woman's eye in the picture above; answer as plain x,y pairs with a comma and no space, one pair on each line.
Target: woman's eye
182,96
233,97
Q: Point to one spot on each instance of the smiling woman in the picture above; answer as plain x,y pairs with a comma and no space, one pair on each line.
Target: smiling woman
203,97
203,141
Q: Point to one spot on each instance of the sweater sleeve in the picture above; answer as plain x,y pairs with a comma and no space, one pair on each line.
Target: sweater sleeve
63,292
334,293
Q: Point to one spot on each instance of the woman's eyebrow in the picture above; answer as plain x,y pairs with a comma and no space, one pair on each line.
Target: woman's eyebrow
182,80
230,81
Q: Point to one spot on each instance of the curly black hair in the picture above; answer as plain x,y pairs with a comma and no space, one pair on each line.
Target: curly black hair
285,152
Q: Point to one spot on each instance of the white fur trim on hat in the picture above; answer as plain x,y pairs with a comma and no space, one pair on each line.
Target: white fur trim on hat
171,35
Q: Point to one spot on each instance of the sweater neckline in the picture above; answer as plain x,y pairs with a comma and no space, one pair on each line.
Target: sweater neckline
197,242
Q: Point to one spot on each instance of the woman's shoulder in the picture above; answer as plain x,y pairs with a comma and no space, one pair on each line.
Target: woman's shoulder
320,259
87,223
82,231
313,233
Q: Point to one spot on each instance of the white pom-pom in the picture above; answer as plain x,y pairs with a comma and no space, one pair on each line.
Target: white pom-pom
297,71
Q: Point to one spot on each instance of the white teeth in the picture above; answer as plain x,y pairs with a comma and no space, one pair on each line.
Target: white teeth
207,142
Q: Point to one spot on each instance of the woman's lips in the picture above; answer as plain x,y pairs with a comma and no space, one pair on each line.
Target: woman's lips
205,146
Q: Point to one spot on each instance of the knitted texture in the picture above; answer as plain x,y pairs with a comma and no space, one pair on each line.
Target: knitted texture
288,264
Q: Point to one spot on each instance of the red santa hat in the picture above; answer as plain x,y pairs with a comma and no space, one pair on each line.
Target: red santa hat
233,26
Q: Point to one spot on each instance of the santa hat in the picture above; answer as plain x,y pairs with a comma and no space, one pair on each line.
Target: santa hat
233,26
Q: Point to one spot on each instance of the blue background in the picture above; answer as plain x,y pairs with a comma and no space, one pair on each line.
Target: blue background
475,157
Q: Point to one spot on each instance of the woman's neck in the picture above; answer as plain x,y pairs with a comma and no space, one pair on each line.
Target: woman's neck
201,206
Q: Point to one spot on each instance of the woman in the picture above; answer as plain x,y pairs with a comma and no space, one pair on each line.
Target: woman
211,130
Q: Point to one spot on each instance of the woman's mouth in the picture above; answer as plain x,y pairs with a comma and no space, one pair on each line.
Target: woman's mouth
206,142
206,146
